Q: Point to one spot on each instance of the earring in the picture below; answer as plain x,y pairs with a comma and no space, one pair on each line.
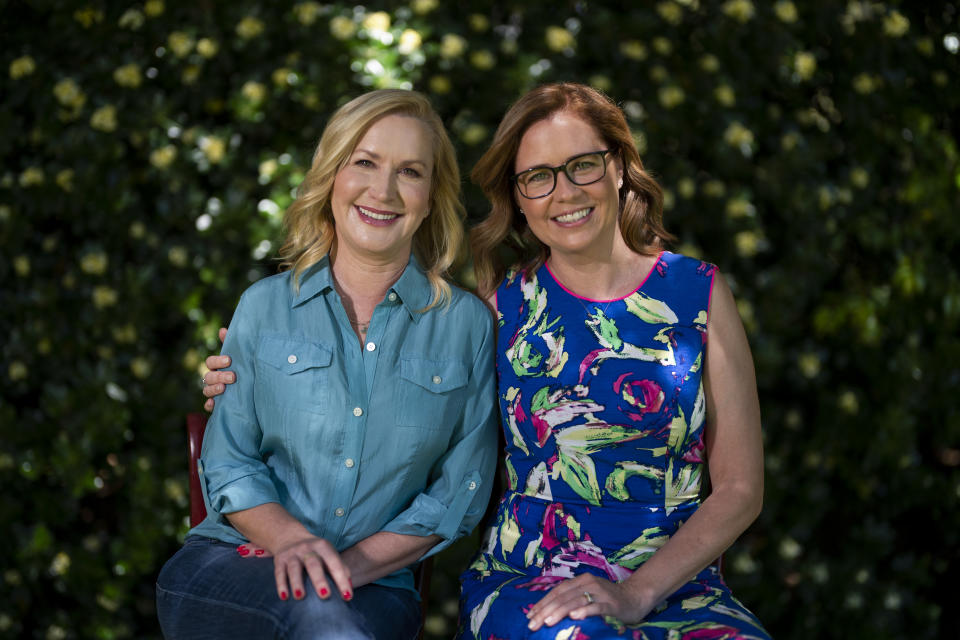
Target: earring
521,212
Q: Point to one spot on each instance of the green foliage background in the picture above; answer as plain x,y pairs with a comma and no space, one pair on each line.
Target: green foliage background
809,149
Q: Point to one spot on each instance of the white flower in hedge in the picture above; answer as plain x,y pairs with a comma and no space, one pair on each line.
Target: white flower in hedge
739,207
896,24
440,84
64,179
69,94
180,43
104,118
604,83
60,564
805,64
864,83
737,135
307,12
214,148
207,47
283,77
377,22
342,28
479,22
422,7
483,60
452,46
559,39
786,11
31,177
104,296
21,265
162,158
94,263
153,8
709,63
253,91
809,364
859,177
739,10
662,45
747,243
410,41
848,402
249,28
789,141
671,12
190,74
131,19
17,370
137,230
141,367
128,76
714,188
634,50
127,334
474,134
178,256
671,96
724,95
22,66
687,188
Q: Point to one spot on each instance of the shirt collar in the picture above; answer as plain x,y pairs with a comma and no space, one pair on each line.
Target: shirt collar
412,288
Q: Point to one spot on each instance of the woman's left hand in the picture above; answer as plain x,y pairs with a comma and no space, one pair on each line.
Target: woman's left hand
588,595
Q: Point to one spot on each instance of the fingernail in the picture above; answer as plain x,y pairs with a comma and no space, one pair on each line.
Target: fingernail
258,552
243,551
283,595
298,594
347,595
324,593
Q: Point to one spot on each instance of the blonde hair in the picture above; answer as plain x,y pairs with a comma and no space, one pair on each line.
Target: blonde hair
503,237
309,220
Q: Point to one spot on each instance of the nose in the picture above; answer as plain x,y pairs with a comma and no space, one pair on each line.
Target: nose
565,186
383,185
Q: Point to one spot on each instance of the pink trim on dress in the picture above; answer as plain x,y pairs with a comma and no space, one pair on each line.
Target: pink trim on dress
640,286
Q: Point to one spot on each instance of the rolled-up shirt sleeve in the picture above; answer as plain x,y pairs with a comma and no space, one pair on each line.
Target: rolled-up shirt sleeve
456,497
231,462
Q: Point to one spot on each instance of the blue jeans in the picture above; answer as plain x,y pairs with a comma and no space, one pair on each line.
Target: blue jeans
207,590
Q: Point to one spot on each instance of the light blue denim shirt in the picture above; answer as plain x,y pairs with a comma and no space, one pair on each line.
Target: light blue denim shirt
398,434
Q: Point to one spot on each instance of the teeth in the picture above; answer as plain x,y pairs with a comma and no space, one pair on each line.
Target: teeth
574,215
377,216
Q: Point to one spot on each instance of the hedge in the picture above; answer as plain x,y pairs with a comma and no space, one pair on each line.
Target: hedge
808,148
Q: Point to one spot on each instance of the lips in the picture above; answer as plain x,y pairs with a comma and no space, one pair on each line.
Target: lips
573,217
376,216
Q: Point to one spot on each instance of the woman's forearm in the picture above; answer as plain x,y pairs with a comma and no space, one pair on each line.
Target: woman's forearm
383,553
710,531
269,526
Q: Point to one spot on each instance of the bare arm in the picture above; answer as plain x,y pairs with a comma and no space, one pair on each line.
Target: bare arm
735,455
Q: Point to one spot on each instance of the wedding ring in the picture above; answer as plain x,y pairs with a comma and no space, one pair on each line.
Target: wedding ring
203,378
586,594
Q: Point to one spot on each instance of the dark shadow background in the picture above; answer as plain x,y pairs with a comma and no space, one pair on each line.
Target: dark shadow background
807,148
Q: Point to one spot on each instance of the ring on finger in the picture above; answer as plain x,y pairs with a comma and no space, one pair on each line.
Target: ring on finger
589,598
203,378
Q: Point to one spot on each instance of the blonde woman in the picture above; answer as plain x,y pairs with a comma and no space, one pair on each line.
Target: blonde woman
360,435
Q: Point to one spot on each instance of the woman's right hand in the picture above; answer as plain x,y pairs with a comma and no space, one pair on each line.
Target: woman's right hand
215,381
320,560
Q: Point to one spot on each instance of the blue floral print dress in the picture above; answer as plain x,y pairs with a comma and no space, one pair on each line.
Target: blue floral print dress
603,412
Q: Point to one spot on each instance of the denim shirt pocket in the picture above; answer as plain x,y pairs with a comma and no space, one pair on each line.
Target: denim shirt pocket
427,392
293,374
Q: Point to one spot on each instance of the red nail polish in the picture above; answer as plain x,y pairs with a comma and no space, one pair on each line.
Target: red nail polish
283,595
323,593
347,595
259,552
244,552
298,594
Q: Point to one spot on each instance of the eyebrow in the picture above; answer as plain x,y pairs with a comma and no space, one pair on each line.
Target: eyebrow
377,156
544,165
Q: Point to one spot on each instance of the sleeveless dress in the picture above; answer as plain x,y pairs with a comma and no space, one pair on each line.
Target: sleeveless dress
603,412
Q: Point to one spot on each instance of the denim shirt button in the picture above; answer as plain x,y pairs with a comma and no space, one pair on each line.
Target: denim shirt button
339,512
371,346
472,486
357,411
437,379
292,359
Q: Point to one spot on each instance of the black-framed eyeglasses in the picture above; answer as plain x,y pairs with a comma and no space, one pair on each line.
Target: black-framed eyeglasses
584,169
